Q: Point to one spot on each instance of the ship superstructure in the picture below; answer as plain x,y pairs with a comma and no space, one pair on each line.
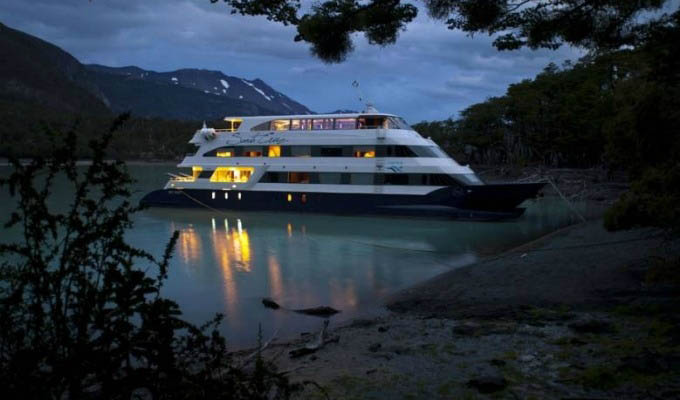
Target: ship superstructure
363,163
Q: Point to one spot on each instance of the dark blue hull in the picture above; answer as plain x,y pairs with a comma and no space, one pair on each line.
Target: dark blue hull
487,202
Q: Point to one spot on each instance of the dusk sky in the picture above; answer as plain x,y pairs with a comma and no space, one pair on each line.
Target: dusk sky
431,73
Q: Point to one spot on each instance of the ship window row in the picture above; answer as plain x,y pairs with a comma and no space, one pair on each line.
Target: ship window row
340,178
324,124
328,151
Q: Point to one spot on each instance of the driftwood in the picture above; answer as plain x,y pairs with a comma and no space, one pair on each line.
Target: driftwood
269,303
247,359
322,311
321,340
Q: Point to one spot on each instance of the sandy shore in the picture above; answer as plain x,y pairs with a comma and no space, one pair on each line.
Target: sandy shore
568,316
582,266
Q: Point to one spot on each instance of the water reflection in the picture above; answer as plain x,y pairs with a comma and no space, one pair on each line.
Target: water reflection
275,280
227,261
305,261
221,252
349,263
189,245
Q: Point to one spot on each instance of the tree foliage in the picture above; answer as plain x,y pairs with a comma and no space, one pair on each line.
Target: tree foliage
556,119
81,311
591,24
328,25
22,136
644,136
619,109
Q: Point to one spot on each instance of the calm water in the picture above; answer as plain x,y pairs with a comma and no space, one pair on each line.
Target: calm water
228,261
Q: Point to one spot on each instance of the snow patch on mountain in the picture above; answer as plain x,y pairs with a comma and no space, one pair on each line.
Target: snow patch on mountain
258,90
225,84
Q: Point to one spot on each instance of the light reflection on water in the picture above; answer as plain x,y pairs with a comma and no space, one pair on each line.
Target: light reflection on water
227,262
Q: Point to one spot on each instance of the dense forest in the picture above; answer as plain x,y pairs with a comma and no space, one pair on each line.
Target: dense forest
566,116
23,126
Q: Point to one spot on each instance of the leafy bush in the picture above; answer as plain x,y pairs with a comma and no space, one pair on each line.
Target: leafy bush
81,313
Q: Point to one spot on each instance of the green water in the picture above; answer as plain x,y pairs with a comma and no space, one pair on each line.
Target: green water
228,261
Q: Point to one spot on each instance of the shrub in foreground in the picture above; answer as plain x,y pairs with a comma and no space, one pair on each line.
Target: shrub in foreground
81,314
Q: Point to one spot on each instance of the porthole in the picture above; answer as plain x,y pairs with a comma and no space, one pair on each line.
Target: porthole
239,195
290,197
213,195
226,195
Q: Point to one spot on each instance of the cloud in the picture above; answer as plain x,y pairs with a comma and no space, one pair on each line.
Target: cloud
431,73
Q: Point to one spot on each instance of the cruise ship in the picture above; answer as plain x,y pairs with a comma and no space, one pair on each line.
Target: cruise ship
362,163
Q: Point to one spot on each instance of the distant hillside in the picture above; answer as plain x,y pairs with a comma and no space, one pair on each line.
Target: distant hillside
149,98
216,89
35,71
343,111
40,73
41,84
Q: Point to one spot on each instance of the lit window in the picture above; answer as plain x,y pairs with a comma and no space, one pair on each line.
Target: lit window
290,197
274,151
322,124
224,154
213,195
232,174
372,123
298,177
226,196
303,198
239,195
252,154
280,125
300,124
366,154
233,124
196,171
345,123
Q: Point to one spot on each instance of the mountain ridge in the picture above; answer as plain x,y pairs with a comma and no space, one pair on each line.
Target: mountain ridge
222,88
37,72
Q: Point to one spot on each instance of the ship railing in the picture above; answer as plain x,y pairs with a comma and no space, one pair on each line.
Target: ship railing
180,177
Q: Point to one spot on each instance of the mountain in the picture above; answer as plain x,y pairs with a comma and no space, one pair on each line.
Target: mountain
148,98
255,96
343,111
35,71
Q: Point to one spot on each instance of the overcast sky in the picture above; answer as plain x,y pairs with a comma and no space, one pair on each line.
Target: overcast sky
431,73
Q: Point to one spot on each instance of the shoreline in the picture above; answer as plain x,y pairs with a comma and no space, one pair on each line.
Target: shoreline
516,325
5,163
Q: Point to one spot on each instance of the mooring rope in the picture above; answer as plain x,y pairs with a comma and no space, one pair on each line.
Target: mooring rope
201,203
583,219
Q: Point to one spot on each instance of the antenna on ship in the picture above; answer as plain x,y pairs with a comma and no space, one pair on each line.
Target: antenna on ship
369,105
